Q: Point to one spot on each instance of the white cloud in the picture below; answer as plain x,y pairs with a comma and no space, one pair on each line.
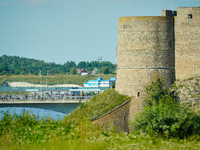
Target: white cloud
4,3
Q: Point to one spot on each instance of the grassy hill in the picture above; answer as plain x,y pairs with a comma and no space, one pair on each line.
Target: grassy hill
98,105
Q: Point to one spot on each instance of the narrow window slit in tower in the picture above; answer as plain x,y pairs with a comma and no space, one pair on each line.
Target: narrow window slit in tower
190,16
124,26
124,118
138,94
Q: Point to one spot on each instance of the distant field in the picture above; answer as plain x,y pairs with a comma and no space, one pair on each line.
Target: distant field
57,79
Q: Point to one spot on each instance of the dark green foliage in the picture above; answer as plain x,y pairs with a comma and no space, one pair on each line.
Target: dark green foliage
113,85
81,65
10,65
73,71
163,116
98,105
158,93
105,70
168,121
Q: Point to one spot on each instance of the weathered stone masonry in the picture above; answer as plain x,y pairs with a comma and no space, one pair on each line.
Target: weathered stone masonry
164,46
157,46
119,117
187,42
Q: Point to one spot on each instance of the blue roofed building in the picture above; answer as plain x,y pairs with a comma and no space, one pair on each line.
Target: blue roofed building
113,79
99,83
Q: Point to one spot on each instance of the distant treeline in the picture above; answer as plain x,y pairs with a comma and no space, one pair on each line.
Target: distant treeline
10,65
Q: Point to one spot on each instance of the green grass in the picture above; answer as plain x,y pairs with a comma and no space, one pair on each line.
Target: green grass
27,133
76,132
52,80
98,105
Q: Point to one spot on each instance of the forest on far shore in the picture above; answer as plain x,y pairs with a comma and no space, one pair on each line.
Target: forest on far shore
15,65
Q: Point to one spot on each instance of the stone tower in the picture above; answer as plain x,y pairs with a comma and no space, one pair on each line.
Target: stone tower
145,52
187,42
164,46
151,47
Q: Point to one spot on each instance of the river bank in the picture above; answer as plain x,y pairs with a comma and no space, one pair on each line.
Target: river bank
30,101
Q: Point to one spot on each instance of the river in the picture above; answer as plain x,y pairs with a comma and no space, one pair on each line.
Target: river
55,111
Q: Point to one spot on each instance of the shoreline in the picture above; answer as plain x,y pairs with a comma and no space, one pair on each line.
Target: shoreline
58,101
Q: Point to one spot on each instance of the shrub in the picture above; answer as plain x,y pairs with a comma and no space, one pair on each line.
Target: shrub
164,116
168,121
158,93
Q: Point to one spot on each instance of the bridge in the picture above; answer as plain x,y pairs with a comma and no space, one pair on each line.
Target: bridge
47,94
61,99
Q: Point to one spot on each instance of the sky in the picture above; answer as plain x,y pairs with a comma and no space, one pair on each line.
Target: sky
71,30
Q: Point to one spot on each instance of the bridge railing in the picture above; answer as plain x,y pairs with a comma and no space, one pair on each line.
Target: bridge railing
32,97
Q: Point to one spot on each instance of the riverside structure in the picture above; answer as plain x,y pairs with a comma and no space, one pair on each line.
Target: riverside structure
151,47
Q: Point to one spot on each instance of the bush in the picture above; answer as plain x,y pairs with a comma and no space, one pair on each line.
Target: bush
164,116
158,93
168,121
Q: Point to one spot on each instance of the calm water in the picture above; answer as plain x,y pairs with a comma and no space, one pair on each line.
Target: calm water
55,111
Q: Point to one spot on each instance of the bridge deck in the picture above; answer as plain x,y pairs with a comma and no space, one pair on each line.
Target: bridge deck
31,101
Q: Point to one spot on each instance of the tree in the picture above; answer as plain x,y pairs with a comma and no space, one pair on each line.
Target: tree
17,72
22,68
82,65
105,70
73,71
4,66
22,72
12,63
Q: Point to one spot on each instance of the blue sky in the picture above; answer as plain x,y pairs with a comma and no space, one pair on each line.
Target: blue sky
64,30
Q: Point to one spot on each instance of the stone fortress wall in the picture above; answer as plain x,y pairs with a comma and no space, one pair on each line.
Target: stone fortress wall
150,47
118,117
187,42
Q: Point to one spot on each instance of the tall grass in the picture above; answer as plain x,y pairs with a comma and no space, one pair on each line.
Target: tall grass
21,133
76,132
